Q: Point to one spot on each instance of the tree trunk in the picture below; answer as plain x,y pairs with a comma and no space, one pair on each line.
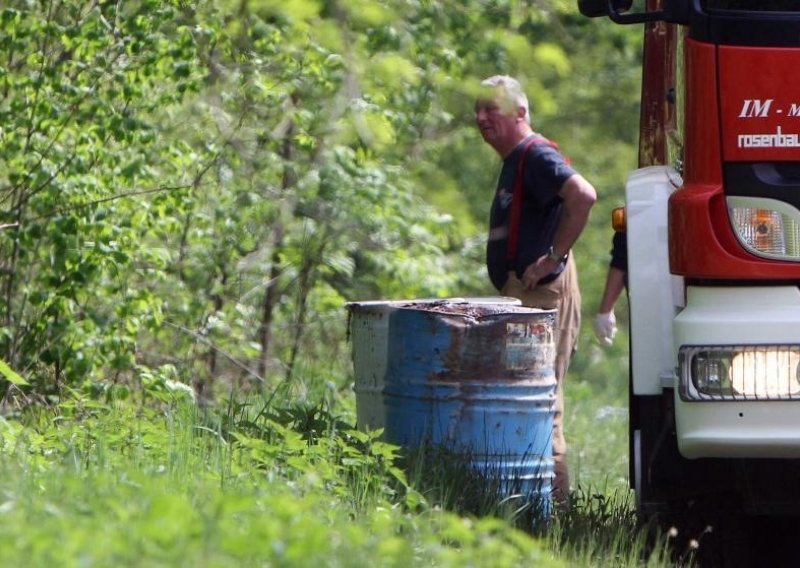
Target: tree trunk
274,290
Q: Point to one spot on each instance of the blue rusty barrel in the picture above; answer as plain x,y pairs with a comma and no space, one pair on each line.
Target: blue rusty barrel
478,380
368,329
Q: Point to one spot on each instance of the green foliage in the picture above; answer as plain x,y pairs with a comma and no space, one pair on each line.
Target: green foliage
202,187
190,192
309,446
596,416
122,483
80,86
11,375
601,530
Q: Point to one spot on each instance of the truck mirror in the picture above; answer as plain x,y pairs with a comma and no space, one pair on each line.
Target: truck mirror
674,11
597,8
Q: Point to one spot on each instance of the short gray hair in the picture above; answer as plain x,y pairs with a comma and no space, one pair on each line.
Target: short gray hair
509,93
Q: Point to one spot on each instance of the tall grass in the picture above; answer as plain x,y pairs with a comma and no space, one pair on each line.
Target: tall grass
156,482
148,478
598,529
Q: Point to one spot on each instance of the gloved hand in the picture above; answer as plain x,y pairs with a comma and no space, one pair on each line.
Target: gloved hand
605,327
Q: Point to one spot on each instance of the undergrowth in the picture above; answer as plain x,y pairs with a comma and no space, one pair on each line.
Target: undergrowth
149,478
152,480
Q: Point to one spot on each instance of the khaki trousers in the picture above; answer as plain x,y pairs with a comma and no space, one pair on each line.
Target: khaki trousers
563,295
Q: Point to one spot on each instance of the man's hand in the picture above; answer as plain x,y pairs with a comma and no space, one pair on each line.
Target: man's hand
538,270
605,327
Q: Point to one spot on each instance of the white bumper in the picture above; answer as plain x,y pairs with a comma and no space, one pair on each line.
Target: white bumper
742,429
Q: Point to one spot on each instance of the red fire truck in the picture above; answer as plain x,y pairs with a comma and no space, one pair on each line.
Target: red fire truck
713,224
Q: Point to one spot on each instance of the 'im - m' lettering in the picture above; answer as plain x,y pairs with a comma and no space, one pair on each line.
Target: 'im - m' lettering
755,108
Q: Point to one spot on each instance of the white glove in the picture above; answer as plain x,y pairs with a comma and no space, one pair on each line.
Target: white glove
605,327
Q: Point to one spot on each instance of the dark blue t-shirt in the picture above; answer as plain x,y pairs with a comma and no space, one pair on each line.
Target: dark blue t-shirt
619,252
545,172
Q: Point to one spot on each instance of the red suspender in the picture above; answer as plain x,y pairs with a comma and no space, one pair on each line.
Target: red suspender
516,202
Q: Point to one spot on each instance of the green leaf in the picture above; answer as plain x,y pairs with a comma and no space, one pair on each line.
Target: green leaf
11,374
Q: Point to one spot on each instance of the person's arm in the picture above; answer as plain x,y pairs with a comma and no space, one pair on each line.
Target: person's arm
578,197
605,322
615,283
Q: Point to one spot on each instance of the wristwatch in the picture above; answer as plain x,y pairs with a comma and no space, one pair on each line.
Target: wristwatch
554,256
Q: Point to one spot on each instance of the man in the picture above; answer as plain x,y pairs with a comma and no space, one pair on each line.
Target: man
539,268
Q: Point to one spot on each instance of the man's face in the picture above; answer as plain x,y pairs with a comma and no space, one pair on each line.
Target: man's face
497,125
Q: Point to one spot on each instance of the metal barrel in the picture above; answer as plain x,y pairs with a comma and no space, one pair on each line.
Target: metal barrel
368,329
478,380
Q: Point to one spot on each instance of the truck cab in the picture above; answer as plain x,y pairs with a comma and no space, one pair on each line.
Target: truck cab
713,225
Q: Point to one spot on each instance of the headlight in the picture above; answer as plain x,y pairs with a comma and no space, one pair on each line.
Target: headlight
762,372
766,227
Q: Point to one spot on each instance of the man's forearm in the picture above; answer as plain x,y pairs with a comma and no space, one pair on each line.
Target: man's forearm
578,197
615,282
